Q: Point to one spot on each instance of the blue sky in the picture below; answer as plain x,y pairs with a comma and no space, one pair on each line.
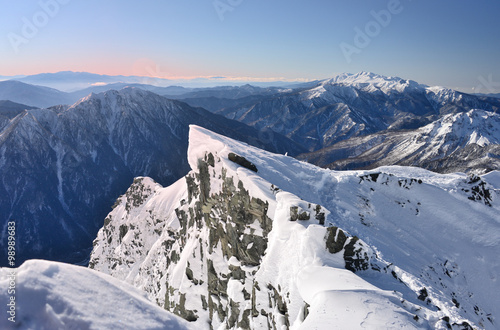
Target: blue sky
449,43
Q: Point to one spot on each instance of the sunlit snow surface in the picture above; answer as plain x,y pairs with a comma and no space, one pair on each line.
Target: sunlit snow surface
57,296
421,229
417,228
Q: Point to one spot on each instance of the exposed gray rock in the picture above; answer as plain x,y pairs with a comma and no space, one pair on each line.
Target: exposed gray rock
242,161
335,239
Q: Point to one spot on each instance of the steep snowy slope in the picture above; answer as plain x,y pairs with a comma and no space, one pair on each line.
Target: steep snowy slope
62,168
455,143
57,296
251,239
9,110
351,105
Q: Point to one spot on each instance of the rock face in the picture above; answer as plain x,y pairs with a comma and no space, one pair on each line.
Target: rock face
227,246
204,254
241,161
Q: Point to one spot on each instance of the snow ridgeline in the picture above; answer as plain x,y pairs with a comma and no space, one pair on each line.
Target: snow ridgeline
57,296
227,247
464,142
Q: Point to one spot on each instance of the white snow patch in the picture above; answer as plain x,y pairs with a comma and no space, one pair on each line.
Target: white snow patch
51,295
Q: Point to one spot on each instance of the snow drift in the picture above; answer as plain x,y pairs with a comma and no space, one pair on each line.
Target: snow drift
57,296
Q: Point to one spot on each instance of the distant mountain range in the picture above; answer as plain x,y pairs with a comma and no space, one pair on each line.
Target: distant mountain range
70,81
42,96
353,105
318,115
62,167
32,95
361,121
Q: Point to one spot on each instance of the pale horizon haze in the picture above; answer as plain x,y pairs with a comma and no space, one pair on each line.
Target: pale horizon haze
446,43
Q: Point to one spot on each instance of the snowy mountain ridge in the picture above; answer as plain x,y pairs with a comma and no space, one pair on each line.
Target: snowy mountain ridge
480,127
286,244
464,142
372,82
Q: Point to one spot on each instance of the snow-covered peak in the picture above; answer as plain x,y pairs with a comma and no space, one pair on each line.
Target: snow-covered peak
345,87
126,92
371,82
443,95
475,126
250,238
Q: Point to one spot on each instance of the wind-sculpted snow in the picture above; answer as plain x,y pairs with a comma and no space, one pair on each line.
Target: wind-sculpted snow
57,296
295,246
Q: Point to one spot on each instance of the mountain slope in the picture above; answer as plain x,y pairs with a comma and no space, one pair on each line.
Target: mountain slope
62,168
11,109
250,239
232,92
461,142
354,105
32,95
51,295
170,92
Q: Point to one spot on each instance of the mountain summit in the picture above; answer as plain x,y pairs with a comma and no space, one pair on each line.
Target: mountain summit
249,239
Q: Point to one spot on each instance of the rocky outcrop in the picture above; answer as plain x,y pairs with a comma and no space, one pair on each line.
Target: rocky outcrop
241,161
217,247
208,252
478,190
226,247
